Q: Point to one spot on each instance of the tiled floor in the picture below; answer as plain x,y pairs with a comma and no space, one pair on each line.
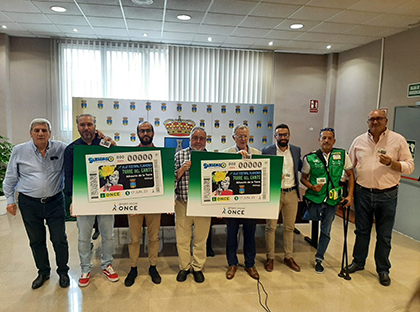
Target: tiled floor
287,290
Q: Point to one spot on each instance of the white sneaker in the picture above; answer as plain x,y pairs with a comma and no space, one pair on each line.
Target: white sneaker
110,273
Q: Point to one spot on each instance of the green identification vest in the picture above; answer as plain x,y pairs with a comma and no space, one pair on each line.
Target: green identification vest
336,162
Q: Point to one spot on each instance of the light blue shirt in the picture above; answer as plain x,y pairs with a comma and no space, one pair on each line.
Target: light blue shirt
33,175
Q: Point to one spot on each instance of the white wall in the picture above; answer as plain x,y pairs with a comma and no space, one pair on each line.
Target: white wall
30,85
4,85
401,67
298,78
357,90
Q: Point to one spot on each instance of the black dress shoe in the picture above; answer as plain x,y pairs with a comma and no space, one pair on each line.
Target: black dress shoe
64,280
95,235
198,276
182,275
384,279
154,274
131,277
210,252
353,267
39,281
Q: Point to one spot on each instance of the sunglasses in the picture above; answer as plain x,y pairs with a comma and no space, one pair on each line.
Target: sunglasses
327,129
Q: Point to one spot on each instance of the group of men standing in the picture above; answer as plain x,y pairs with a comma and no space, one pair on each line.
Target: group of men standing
378,157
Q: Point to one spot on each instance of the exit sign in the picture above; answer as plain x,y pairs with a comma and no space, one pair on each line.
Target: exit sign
413,90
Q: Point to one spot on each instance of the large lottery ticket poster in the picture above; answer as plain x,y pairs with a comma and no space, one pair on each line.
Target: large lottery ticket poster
225,185
122,180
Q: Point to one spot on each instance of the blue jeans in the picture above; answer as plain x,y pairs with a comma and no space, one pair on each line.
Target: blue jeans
35,215
249,226
382,207
326,215
106,228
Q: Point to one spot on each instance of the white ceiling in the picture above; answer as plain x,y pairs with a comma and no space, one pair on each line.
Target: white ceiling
251,24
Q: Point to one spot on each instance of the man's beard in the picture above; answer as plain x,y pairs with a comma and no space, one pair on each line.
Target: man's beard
282,143
87,135
143,142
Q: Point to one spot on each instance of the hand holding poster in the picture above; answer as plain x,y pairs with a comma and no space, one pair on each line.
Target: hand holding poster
225,185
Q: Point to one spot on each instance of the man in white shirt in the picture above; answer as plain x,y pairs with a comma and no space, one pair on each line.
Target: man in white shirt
379,157
289,197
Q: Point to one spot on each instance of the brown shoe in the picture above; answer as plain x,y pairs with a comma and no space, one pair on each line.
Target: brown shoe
292,264
230,273
269,265
253,272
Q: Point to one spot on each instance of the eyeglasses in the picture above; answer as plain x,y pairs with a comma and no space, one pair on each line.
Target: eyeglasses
327,129
195,138
145,131
282,135
241,137
372,119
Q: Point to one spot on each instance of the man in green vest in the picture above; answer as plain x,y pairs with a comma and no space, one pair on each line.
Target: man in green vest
321,173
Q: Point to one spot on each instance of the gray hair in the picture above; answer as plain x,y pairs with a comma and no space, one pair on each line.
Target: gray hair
197,128
239,127
85,115
40,121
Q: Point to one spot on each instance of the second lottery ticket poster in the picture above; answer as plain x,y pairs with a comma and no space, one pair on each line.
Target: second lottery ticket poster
225,185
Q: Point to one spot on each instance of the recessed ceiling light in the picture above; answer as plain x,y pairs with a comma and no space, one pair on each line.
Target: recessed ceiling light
75,30
145,35
271,43
328,46
183,17
296,26
58,9
142,2
3,26
209,39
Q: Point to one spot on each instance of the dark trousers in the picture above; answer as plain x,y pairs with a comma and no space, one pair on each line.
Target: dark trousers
250,251
382,207
35,214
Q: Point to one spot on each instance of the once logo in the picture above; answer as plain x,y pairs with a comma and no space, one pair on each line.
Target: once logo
112,194
237,212
127,208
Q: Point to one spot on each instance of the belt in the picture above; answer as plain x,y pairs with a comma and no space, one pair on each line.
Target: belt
378,191
287,190
43,200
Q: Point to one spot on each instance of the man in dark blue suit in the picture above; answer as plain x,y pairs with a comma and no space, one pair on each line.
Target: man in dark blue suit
289,197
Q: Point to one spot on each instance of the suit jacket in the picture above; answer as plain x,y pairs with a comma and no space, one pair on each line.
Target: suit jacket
297,159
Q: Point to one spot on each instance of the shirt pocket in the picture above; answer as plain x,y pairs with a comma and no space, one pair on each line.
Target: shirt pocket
56,163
